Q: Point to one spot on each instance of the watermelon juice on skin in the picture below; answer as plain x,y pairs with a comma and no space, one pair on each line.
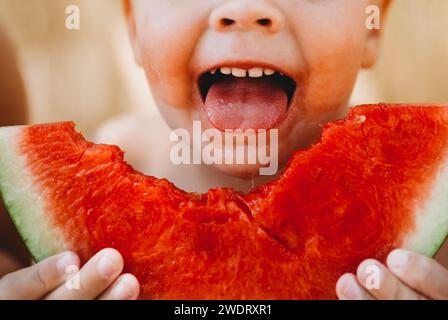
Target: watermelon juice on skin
280,64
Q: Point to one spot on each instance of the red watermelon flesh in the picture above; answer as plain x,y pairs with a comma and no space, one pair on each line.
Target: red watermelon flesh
374,182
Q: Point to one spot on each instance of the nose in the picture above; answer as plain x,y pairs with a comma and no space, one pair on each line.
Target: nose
246,15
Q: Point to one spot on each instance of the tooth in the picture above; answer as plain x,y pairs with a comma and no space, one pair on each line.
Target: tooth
256,72
226,70
213,71
269,72
239,73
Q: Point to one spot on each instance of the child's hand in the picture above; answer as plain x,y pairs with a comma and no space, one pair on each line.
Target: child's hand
99,278
408,276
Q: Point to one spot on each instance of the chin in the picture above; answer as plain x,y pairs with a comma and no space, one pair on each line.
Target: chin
242,171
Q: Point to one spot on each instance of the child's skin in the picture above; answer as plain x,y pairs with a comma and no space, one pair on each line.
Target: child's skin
320,44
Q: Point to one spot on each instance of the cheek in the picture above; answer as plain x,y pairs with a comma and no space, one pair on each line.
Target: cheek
332,49
333,72
165,43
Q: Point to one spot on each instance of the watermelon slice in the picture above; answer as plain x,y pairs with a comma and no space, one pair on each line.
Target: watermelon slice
374,182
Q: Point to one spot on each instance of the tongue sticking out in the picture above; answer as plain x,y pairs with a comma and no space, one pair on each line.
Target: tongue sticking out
246,103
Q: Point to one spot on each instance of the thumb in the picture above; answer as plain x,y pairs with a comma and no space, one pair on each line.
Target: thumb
38,280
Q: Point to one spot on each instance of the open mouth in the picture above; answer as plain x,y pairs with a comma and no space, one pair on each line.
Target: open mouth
236,98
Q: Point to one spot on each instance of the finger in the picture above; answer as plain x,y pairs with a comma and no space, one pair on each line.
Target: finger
419,272
348,288
36,281
94,277
126,287
383,284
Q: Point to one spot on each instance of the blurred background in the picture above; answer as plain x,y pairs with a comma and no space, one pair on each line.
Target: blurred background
89,75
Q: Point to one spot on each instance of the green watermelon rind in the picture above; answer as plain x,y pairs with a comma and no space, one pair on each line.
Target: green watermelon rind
23,200
431,222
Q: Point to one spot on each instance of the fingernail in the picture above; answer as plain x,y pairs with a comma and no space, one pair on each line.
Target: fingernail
66,261
350,289
123,290
107,266
369,274
398,260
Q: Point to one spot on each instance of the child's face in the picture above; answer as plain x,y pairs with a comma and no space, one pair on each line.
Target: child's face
318,44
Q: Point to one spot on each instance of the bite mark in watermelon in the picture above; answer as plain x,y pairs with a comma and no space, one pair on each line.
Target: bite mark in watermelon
375,181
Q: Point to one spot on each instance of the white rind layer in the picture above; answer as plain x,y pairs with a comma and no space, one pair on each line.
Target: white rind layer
431,217
24,201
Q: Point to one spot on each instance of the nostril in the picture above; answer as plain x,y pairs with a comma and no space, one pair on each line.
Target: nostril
227,22
264,22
